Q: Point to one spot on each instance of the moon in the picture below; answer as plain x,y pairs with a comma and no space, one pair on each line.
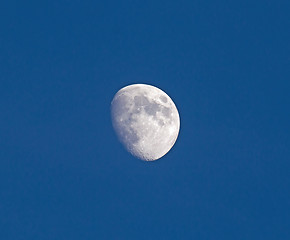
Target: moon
145,120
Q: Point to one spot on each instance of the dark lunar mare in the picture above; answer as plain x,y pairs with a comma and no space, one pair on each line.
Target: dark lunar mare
151,107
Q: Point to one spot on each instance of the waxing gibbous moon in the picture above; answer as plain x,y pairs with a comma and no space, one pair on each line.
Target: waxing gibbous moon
145,120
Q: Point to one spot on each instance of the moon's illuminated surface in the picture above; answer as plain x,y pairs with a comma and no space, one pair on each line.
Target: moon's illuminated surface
146,121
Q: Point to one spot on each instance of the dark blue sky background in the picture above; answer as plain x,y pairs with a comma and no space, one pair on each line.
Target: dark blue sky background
63,173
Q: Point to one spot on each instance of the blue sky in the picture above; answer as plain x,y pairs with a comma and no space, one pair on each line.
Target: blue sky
63,173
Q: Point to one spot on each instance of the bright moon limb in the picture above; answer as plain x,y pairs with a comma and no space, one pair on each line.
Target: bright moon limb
145,120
